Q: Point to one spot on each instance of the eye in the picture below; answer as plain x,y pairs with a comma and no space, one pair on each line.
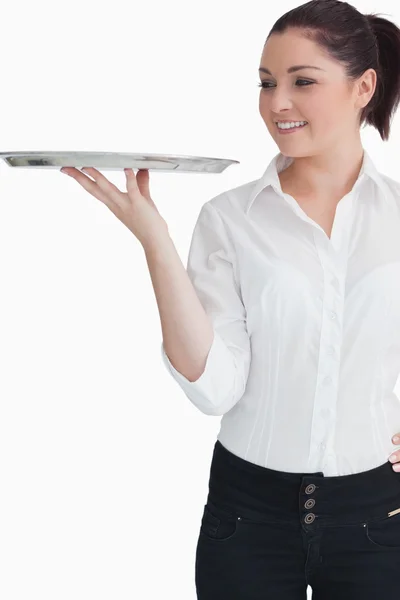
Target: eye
264,85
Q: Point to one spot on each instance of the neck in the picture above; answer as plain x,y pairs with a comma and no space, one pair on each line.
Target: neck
329,174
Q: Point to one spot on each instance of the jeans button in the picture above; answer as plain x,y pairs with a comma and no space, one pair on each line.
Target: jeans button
310,488
309,518
310,503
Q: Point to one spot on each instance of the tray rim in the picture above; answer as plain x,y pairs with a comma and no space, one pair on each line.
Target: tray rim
152,156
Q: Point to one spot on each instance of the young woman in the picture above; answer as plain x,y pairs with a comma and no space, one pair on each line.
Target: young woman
287,323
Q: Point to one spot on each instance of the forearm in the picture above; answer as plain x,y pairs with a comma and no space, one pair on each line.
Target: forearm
186,328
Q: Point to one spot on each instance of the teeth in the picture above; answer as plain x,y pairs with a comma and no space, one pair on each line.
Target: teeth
291,125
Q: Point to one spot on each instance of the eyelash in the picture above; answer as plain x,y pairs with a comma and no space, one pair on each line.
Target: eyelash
269,87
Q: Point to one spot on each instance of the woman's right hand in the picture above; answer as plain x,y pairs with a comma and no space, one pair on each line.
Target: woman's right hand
134,208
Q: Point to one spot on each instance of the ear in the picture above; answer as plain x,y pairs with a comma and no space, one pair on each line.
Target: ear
365,88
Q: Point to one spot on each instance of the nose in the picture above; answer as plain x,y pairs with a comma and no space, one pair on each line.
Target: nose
278,99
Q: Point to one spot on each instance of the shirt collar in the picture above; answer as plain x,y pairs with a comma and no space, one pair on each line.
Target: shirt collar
280,162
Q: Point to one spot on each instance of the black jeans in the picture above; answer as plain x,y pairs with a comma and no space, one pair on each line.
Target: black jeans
268,534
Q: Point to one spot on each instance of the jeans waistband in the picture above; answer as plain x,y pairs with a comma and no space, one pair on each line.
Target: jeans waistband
259,493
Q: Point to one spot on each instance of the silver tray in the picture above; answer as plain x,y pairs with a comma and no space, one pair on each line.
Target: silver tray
112,161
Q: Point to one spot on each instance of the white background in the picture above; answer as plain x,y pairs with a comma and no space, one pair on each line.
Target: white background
104,462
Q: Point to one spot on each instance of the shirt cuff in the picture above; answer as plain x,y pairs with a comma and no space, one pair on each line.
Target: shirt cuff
209,391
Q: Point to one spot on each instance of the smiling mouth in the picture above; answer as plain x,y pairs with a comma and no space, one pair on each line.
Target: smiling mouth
287,130
295,126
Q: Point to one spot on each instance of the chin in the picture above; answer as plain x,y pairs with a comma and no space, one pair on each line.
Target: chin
286,152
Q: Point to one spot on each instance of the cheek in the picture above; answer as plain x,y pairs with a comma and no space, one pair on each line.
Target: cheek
327,109
263,103
322,114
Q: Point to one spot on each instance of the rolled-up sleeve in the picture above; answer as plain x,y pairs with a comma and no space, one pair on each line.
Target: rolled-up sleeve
210,267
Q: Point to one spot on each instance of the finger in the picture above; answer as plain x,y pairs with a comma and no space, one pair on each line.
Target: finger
108,188
92,187
395,460
133,187
396,438
144,182
139,184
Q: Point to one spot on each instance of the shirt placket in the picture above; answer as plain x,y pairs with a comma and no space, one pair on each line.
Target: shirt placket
333,256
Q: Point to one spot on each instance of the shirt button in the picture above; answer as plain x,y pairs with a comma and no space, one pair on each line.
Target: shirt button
322,447
327,380
330,351
332,315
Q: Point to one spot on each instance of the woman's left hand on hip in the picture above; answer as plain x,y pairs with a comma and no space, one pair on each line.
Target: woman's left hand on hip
395,457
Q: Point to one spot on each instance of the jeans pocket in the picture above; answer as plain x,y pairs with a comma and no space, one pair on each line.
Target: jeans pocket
217,524
385,531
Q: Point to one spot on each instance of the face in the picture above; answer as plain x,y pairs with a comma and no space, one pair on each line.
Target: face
323,97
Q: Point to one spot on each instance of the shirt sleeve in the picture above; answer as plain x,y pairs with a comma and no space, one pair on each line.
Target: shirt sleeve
210,268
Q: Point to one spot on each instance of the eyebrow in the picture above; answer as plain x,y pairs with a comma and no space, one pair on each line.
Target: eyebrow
292,69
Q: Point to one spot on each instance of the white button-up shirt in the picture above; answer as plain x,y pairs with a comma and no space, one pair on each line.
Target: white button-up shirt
306,349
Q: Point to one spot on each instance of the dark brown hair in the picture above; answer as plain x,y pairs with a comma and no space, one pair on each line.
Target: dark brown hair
359,42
